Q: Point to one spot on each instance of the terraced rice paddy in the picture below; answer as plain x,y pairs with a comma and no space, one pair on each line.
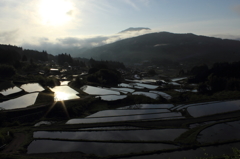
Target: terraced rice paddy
145,131
10,91
20,102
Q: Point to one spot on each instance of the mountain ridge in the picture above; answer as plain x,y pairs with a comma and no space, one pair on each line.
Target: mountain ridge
168,46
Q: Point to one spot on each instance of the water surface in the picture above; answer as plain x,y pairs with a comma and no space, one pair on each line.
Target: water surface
98,91
130,85
148,86
32,87
164,95
11,90
178,79
64,83
163,116
123,89
64,93
97,148
148,106
112,97
198,153
120,112
143,80
214,108
20,102
148,94
117,135
220,132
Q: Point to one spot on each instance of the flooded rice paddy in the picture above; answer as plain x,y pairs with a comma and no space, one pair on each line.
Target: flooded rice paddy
148,94
98,91
111,97
97,148
121,112
64,93
116,135
32,87
10,91
109,139
20,102
203,152
148,106
213,108
220,132
162,116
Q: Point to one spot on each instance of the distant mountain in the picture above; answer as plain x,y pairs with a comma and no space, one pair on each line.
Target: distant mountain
134,29
160,47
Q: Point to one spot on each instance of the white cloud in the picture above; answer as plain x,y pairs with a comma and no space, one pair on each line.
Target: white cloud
8,36
227,36
72,45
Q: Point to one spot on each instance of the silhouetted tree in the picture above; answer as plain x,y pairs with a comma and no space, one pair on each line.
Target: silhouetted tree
24,58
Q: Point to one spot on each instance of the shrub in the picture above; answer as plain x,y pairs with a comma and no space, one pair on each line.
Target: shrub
105,76
7,71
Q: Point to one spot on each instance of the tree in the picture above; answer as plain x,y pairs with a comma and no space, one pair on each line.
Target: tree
24,58
7,71
152,72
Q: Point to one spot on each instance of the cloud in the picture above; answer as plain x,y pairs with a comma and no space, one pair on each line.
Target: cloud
227,36
74,45
70,13
8,36
82,42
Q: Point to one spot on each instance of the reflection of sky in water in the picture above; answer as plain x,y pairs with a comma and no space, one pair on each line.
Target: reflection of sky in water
163,116
111,128
20,102
213,108
123,89
148,106
97,148
10,91
43,123
130,85
164,95
138,85
132,135
32,87
151,95
220,132
147,86
98,91
119,112
143,80
178,79
64,93
112,97
203,152
64,83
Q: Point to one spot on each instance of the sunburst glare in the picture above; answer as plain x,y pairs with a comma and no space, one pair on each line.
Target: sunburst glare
60,96
55,12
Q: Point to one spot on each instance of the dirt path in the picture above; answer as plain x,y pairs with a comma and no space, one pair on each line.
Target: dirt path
15,144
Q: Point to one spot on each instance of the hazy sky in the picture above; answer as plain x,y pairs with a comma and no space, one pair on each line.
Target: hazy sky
77,23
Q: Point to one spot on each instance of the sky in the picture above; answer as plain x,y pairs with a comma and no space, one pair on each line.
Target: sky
68,25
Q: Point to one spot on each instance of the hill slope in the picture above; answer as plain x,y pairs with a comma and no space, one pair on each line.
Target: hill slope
164,46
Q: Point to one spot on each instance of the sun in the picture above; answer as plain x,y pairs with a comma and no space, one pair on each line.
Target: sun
55,12
60,96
